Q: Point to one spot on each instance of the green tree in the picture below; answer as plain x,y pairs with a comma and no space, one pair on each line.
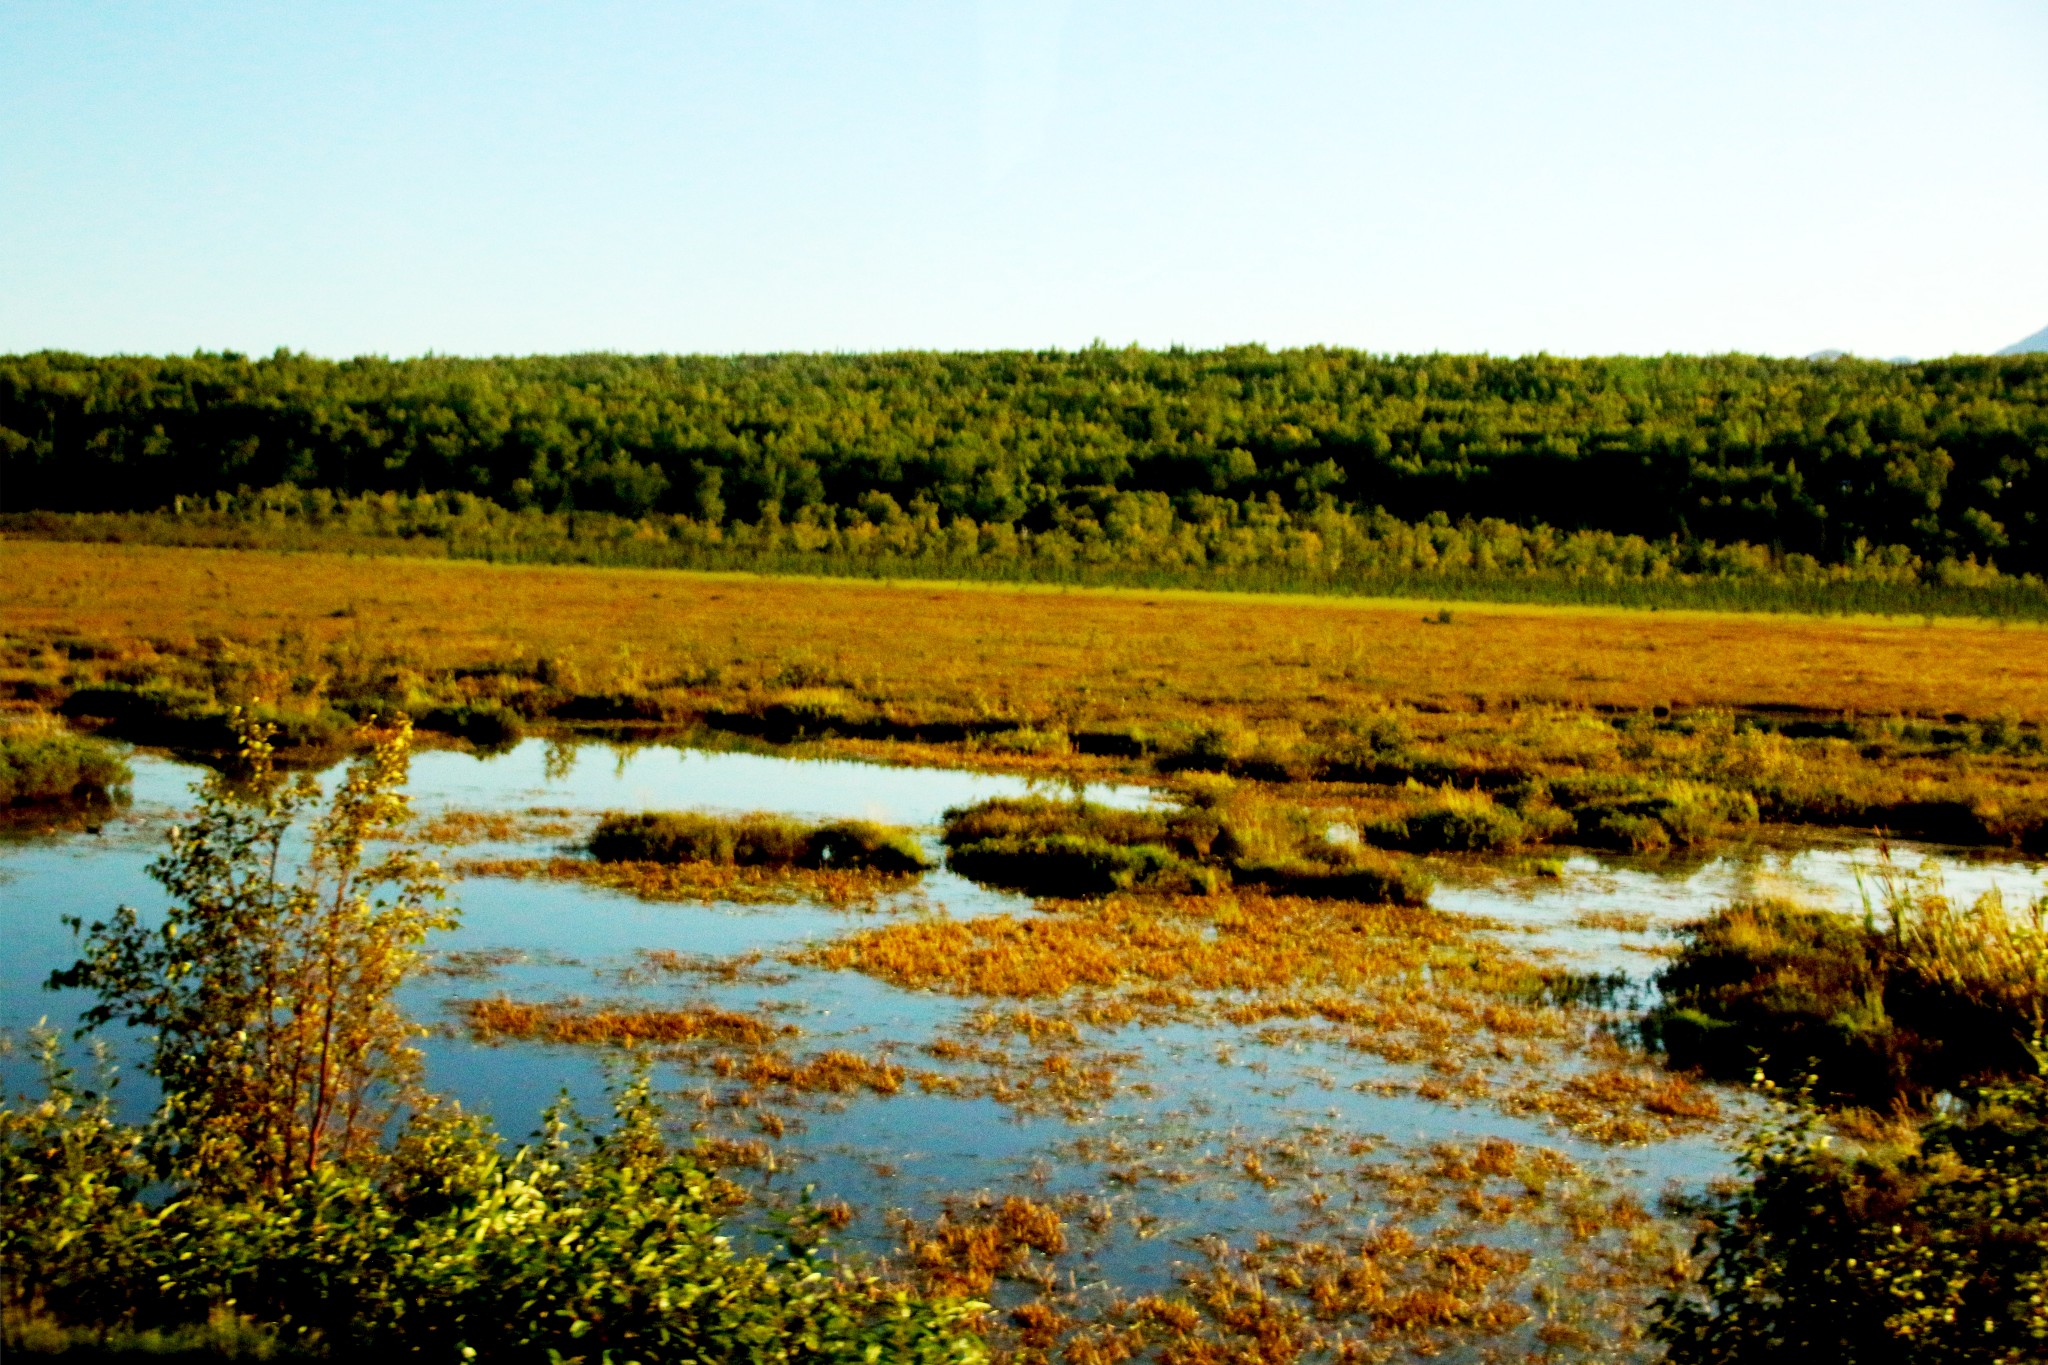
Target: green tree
268,986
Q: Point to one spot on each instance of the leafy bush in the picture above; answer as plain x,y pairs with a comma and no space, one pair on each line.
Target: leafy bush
1939,1256
38,768
583,1246
1452,822
484,724
755,840
268,1205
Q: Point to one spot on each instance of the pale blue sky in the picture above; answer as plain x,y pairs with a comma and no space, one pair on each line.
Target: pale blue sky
368,177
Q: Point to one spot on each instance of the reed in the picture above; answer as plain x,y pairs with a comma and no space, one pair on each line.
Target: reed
1921,995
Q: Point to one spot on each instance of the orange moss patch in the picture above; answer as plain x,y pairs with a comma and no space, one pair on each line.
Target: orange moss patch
570,1022
839,887
1243,943
966,1250
836,1072
1156,653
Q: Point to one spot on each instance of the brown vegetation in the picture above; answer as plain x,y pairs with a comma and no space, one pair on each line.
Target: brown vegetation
570,1021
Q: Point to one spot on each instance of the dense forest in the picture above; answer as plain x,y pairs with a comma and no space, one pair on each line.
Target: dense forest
1829,459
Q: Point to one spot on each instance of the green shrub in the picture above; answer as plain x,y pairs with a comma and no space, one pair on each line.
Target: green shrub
37,769
588,1245
487,725
1452,821
1189,832
863,843
1077,865
1359,875
172,717
183,718
1622,830
296,1195
1793,991
1937,1257
1075,848
755,840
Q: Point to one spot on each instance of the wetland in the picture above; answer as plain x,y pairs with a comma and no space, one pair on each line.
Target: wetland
1221,1118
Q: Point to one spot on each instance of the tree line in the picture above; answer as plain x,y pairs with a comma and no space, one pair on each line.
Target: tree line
1827,459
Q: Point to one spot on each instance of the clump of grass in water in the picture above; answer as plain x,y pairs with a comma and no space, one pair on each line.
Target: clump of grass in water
570,1022
42,764
1919,996
1077,848
755,840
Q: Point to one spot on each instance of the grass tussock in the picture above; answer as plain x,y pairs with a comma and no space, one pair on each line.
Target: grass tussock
756,840
1919,996
1076,848
42,764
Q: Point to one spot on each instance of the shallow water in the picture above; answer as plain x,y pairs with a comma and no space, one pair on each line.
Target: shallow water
1160,1162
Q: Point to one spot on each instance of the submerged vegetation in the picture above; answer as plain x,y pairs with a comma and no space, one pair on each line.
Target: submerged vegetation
1315,762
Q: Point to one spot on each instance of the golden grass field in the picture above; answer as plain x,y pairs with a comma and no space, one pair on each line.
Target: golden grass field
1089,652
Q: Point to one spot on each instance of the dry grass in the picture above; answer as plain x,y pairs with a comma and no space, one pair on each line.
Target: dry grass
739,885
1222,943
1030,651
572,1022
1635,731
968,1248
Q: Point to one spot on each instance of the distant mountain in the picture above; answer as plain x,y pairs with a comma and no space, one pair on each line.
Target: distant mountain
2037,342
1851,355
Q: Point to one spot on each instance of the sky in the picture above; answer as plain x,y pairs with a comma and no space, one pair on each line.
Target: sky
1440,175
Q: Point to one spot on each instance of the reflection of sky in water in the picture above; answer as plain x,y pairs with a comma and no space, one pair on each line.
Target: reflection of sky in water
657,777
577,938
1543,911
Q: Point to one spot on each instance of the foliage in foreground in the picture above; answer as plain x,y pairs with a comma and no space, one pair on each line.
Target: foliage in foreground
582,1246
1929,997
268,1205
1938,1256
